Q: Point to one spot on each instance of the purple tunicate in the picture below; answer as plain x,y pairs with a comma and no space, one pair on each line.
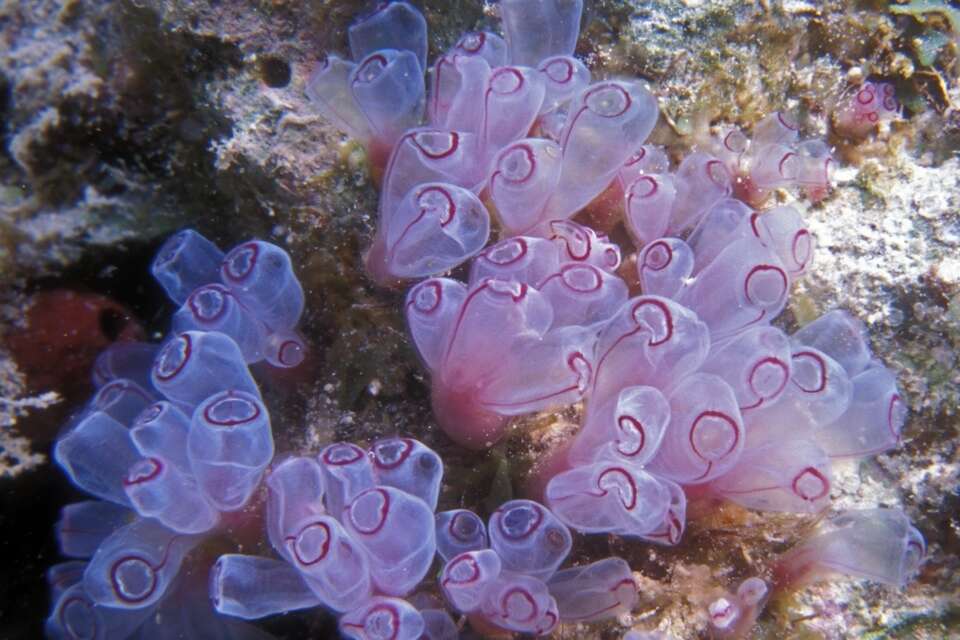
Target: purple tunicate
873,420
538,29
873,544
608,496
705,437
213,307
745,286
791,476
436,227
395,25
664,267
583,245
778,127
669,531
649,201
261,276
522,603
121,399
524,175
459,531
408,465
135,565
814,163
485,44
332,562
528,538
130,360
607,122
295,493
186,261
520,259
284,349
76,615
96,454
598,591
512,98
818,393
700,182
157,489
347,471
328,88
648,159
397,531
755,363
632,424
161,431
840,336
466,577
382,618
229,446
430,308
729,145
457,92
84,525
650,341
564,77
582,294
862,109
716,229
194,365
249,587
388,88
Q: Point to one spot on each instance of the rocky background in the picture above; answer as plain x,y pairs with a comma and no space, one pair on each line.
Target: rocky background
124,120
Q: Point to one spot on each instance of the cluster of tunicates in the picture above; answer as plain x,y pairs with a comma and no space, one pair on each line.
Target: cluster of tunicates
684,380
667,348
174,442
355,532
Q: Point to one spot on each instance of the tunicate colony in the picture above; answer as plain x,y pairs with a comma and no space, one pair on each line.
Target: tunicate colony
686,385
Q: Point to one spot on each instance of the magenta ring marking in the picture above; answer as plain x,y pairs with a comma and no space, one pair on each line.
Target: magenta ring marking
761,268
157,469
324,549
824,484
357,452
188,350
531,528
228,263
722,416
821,364
650,250
434,155
404,453
195,309
384,510
629,504
208,409
637,427
504,605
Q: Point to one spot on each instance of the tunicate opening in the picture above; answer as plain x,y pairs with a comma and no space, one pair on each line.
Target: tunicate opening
517,164
714,435
608,101
312,543
133,579
381,622
78,618
766,286
231,411
520,521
